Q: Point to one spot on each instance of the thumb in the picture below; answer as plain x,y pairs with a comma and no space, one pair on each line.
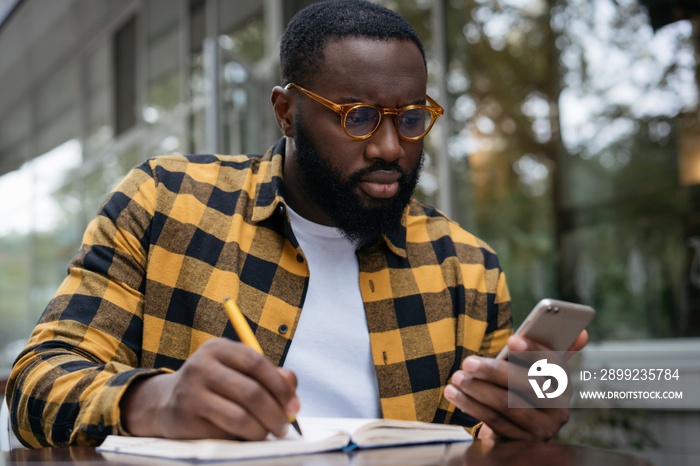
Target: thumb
578,345
580,342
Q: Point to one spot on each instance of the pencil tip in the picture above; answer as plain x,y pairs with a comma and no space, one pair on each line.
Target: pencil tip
295,424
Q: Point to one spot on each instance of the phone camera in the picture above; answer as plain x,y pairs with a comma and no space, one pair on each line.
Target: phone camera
553,309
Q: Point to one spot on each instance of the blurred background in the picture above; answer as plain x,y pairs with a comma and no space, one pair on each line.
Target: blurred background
571,143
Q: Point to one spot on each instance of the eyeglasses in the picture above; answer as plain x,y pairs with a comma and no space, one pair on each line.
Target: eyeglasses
360,121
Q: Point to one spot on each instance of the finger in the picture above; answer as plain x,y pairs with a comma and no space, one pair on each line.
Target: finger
490,399
245,360
289,376
512,373
241,375
525,368
199,413
500,424
513,404
253,397
486,433
493,370
294,405
495,397
521,424
527,344
228,420
520,343
509,374
535,351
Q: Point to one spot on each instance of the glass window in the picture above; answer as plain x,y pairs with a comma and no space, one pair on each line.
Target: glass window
100,111
163,61
244,81
196,81
57,218
245,104
236,15
15,255
40,231
15,128
56,110
163,109
125,76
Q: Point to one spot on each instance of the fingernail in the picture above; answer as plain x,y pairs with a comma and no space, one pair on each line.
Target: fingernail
451,392
517,344
471,364
458,377
293,406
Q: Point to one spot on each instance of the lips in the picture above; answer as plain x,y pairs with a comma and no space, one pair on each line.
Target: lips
380,184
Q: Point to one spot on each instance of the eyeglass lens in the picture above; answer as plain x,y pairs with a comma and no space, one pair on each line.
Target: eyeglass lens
362,120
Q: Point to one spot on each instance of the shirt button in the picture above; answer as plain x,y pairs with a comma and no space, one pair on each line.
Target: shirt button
283,329
300,258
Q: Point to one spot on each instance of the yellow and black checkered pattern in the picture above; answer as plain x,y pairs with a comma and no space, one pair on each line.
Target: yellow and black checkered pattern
179,234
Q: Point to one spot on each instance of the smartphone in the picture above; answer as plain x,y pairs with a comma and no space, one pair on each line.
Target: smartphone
554,323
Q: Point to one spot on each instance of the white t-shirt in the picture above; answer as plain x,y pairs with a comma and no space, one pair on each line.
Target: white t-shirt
330,352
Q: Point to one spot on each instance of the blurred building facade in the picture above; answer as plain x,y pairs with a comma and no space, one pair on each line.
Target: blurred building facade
570,143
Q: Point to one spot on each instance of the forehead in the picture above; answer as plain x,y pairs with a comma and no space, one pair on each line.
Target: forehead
389,72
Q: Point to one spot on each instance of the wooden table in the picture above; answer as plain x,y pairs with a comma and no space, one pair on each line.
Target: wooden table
478,453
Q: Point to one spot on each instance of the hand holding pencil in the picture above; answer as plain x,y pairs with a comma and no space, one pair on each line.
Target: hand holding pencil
240,325
224,390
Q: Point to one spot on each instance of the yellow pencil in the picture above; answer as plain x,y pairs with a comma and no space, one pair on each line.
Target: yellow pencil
240,325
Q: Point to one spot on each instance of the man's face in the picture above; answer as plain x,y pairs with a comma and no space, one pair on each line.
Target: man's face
360,218
361,187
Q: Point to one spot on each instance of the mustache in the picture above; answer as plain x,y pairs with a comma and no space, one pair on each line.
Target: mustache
379,166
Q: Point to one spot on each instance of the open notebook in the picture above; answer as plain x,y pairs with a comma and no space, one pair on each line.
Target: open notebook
320,435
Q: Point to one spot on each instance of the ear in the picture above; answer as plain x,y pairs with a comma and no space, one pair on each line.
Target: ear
284,109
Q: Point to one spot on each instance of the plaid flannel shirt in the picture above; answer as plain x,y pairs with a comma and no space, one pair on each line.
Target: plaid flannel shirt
179,234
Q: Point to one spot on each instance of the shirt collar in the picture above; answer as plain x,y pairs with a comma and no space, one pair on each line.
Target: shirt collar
395,240
269,182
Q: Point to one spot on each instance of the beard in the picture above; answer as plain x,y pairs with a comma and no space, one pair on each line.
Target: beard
360,220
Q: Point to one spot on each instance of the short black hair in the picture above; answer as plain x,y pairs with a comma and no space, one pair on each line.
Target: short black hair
304,39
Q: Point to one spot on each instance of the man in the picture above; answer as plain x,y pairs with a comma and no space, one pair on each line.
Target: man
394,295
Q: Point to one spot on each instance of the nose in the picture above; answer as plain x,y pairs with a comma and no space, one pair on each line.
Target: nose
385,143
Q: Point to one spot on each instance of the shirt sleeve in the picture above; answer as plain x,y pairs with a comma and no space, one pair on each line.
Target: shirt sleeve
498,326
499,320
66,384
